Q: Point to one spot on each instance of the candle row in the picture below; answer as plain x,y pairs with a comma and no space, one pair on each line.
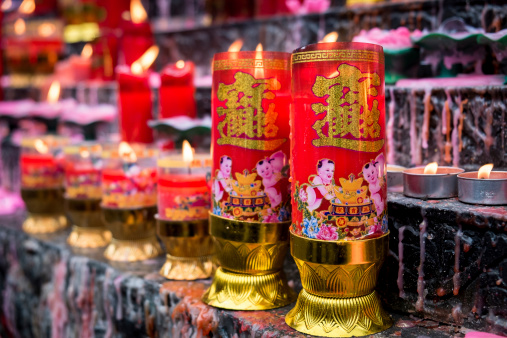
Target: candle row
124,176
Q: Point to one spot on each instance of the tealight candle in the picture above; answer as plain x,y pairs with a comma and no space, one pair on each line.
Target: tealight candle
395,178
183,191
431,181
483,187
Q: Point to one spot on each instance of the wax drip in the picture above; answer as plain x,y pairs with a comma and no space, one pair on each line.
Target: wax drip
108,309
457,251
446,126
415,150
401,266
457,314
56,302
419,305
457,131
117,285
426,122
390,127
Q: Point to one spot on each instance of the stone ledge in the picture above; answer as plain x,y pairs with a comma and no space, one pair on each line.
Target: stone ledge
47,288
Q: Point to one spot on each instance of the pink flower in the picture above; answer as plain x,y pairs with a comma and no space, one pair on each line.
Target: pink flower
303,195
271,218
327,233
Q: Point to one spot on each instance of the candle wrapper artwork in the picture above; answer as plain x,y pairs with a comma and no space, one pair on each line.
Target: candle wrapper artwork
250,108
337,145
41,163
128,184
83,177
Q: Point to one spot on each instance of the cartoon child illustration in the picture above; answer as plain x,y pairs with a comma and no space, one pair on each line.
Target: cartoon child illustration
270,169
222,183
321,191
373,173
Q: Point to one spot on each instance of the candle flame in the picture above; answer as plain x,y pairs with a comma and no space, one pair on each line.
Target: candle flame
259,48
41,146
330,37
145,61
46,29
27,7
188,152
137,12
431,169
19,27
6,5
180,64
484,171
84,153
127,153
54,92
87,51
236,46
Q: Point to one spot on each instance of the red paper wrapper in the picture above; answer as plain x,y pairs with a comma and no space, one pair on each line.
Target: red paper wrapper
337,145
135,105
250,108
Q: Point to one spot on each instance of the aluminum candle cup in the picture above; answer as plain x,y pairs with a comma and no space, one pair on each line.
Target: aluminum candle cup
83,165
339,234
443,184
42,177
395,178
250,181
487,191
129,202
183,211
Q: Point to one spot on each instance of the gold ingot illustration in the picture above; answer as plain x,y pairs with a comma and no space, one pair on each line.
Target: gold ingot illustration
189,249
251,256
133,234
338,297
88,230
45,210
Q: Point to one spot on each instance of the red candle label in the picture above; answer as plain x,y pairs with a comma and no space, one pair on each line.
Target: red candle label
40,171
132,188
250,105
83,183
338,165
183,204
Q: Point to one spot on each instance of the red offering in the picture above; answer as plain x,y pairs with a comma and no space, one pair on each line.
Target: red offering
338,141
177,90
250,136
135,106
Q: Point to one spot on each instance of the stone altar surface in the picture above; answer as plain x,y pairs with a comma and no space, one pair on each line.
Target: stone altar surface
48,289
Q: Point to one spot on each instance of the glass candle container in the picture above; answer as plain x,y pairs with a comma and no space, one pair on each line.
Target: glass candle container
183,210
83,194
42,176
129,201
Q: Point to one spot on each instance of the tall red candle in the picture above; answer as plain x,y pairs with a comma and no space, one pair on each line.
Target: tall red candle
337,141
250,136
137,34
135,106
177,90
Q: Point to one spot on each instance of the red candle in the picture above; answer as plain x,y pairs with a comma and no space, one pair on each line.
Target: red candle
183,190
137,34
41,166
135,106
83,166
177,90
129,177
250,136
337,141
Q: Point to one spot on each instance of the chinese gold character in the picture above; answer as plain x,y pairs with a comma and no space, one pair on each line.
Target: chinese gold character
348,113
245,118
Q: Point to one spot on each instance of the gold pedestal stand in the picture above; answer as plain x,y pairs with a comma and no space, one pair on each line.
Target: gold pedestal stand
133,231
88,230
251,256
45,210
189,249
339,278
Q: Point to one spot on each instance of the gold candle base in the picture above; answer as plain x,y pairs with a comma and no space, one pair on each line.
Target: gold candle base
189,249
133,233
45,210
251,256
88,230
338,297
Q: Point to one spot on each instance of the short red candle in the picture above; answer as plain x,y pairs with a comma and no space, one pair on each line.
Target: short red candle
83,166
129,183
135,106
177,90
337,141
183,191
250,136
